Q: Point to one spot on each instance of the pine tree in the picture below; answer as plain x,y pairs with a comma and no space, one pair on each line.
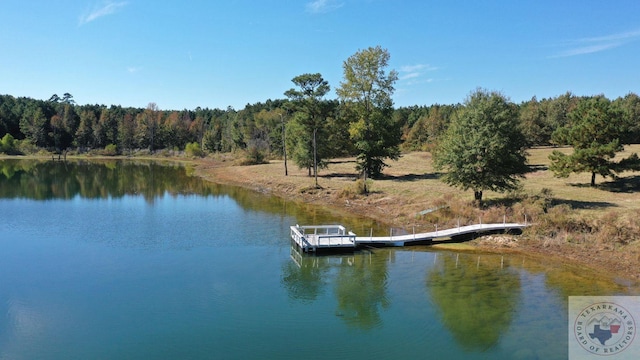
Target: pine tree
596,132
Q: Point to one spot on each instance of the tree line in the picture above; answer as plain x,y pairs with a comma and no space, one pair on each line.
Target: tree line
310,129
65,126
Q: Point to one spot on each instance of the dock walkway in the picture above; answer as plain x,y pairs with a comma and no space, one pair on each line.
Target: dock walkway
325,237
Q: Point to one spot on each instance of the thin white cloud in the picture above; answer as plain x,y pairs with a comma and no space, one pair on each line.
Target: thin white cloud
629,35
323,6
587,50
409,72
408,76
418,67
597,44
133,69
98,11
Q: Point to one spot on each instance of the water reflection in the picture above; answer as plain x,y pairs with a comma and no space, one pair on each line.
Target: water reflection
477,300
96,179
303,277
104,179
359,280
195,277
572,280
360,289
483,301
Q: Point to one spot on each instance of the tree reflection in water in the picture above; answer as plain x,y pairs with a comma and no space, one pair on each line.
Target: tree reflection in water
96,179
117,178
304,277
359,286
361,291
477,300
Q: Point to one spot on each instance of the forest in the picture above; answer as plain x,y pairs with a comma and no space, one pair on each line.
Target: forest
261,131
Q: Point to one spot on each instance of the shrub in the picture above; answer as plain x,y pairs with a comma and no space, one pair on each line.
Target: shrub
356,189
8,145
254,156
617,228
110,150
362,186
27,147
193,149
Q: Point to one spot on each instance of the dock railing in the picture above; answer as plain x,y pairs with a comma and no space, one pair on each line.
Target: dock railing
319,236
297,235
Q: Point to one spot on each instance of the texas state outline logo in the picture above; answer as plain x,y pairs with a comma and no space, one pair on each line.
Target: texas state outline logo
603,327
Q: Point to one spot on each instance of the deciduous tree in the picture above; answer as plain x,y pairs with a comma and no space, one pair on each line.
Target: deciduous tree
126,133
483,148
148,126
365,95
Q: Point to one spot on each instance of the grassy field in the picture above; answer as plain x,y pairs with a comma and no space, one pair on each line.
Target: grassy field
623,193
413,185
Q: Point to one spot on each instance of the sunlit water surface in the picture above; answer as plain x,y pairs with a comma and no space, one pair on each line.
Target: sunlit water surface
122,260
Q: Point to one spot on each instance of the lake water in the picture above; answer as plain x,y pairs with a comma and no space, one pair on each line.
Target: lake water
126,260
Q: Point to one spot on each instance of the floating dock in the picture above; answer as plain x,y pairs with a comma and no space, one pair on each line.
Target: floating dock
318,237
336,237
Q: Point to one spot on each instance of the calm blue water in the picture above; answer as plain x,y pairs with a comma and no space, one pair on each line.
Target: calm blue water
161,272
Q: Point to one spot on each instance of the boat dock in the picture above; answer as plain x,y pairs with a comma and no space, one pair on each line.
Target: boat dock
336,237
318,237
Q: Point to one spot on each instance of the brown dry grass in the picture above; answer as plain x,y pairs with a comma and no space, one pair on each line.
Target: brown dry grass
575,189
602,219
411,185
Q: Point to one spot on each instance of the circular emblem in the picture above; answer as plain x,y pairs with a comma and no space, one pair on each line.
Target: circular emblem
605,328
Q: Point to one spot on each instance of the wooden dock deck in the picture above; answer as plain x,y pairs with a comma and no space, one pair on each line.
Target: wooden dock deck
336,237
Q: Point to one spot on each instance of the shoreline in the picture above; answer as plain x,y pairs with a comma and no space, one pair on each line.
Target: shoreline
393,209
406,189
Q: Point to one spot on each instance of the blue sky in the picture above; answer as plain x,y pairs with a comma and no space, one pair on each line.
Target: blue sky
185,54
